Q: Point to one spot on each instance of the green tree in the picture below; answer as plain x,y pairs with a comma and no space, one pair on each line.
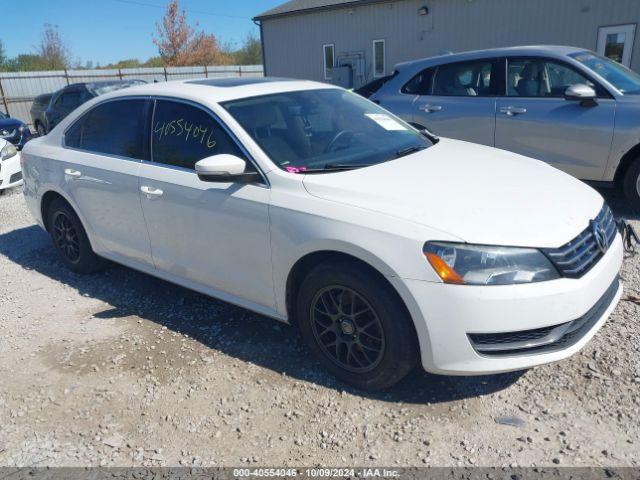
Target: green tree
53,49
26,62
3,56
251,51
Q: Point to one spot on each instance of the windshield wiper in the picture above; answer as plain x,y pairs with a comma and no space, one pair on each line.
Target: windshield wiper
336,167
409,150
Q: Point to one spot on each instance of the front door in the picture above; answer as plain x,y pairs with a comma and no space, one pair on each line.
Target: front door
214,235
460,101
100,167
535,120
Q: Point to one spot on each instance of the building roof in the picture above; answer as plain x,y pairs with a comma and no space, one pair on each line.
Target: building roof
293,7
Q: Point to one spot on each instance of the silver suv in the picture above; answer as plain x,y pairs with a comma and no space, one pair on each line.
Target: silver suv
570,107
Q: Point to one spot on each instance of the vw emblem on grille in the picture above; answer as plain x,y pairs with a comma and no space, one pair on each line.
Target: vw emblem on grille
600,235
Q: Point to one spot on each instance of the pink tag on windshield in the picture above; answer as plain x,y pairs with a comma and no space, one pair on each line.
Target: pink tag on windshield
296,169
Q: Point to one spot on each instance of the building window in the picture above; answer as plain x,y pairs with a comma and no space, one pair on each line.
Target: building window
329,58
378,58
616,42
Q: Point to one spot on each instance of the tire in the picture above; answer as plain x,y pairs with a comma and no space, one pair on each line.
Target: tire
70,239
346,344
40,130
631,185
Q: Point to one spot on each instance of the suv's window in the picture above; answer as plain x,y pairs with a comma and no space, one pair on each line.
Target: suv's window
373,86
420,84
536,77
114,128
183,134
467,79
69,100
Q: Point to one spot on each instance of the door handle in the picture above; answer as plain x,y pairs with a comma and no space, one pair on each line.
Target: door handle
430,108
151,192
512,111
72,173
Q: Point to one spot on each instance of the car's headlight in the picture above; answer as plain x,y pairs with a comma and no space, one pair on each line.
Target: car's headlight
466,264
23,128
8,151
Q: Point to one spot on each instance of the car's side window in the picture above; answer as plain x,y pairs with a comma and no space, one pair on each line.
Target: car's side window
116,127
467,79
538,77
420,84
183,134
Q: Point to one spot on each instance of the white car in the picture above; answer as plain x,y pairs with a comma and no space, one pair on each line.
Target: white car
10,172
306,203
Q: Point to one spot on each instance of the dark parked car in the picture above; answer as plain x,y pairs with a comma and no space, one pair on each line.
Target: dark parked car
14,131
38,107
66,100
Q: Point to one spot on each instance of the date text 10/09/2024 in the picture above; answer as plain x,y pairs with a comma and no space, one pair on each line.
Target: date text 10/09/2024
317,472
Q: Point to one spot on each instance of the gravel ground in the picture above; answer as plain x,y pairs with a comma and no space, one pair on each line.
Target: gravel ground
119,368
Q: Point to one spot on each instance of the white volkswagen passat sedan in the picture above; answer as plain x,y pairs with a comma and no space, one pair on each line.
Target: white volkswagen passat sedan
309,204
10,173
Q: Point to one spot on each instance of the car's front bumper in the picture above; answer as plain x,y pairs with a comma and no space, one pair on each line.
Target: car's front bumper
445,316
10,172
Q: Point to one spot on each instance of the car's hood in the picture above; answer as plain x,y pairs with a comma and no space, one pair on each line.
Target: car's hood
479,194
9,124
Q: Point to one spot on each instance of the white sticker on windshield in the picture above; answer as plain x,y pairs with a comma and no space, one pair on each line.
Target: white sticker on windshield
385,121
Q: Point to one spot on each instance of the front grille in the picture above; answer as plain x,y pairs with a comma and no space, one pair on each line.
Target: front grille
15,177
576,258
546,339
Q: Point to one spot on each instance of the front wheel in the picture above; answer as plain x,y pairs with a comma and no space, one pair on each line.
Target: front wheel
356,326
631,185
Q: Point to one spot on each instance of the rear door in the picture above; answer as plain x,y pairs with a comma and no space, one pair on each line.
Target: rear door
458,100
101,162
535,120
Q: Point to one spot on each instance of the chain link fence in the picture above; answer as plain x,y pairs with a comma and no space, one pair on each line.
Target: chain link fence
18,89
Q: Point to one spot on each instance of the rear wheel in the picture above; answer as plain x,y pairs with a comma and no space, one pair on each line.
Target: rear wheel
631,184
70,239
356,326
40,129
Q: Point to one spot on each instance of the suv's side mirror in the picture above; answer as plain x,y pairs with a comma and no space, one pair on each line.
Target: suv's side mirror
223,168
582,93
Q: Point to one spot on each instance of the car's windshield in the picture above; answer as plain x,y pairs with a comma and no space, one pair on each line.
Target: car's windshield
324,129
625,80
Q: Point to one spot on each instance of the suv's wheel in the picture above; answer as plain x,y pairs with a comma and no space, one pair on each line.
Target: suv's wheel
356,326
70,239
40,130
631,184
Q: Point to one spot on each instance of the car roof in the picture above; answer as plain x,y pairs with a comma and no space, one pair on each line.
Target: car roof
101,83
219,89
547,50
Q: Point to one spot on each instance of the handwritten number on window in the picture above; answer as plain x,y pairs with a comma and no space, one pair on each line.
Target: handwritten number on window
180,128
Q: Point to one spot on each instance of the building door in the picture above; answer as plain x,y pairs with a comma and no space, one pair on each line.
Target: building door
616,43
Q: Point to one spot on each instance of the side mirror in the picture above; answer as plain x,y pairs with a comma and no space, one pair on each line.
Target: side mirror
582,93
222,168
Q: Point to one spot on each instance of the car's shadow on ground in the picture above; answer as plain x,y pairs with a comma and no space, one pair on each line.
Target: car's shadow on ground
221,326
619,205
